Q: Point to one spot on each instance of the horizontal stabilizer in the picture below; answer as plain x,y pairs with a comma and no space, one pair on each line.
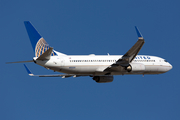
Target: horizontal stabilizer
20,62
46,55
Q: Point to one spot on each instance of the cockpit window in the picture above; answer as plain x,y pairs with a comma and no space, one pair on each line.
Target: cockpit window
165,61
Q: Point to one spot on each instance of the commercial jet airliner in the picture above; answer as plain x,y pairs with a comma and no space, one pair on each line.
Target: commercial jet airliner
100,67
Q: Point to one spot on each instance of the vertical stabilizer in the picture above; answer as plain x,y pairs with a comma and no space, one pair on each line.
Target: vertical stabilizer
34,36
37,41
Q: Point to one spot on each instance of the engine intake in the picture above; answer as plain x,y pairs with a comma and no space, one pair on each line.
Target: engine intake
103,79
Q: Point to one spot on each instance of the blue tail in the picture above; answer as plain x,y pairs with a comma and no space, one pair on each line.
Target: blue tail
34,36
37,41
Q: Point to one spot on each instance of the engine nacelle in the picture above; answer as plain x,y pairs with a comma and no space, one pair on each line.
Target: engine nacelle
103,79
135,67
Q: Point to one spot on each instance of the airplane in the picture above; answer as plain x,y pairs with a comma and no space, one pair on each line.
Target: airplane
100,67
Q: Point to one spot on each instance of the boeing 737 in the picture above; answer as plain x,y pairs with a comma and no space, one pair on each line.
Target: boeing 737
100,67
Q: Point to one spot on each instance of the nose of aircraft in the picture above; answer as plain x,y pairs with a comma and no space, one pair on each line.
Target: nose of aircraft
170,67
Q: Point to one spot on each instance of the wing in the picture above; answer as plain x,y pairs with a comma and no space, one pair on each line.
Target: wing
129,56
55,75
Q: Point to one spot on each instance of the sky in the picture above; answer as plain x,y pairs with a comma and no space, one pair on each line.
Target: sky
81,27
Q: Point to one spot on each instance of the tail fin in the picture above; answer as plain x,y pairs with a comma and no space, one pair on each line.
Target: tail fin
37,41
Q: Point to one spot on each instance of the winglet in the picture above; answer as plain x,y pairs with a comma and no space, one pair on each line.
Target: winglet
138,32
28,71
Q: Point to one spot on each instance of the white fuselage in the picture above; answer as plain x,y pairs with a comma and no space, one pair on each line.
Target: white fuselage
97,64
100,67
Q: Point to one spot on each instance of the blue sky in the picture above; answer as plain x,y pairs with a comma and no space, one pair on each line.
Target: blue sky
85,27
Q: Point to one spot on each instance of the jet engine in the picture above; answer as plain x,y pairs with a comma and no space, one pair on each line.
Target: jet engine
103,79
135,67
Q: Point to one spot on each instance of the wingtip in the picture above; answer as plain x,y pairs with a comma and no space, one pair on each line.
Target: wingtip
138,32
28,71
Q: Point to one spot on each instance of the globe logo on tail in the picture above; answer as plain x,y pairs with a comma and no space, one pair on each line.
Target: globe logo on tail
41,47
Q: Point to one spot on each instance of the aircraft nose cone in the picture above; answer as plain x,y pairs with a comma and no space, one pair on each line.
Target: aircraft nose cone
170,67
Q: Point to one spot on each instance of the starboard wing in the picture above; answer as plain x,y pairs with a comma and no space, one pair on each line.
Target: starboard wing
133,51
129,56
